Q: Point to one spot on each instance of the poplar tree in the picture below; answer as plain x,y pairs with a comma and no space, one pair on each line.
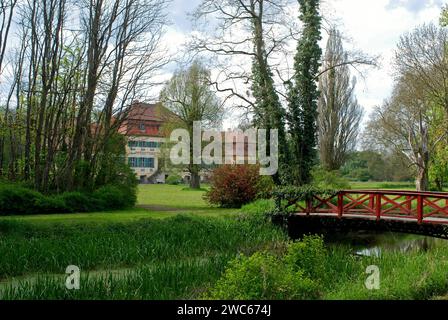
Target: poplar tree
303,95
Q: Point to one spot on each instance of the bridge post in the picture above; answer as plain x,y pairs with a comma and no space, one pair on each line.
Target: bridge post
372,202
420,209
378,206
409,203
309,206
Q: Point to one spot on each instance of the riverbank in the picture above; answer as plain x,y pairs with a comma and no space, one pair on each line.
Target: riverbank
182,253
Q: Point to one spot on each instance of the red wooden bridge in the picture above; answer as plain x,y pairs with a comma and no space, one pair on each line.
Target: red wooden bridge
402,211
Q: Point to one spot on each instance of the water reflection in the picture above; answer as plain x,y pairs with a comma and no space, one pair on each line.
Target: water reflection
372,245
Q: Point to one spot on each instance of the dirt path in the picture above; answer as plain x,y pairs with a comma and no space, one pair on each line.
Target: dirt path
159,208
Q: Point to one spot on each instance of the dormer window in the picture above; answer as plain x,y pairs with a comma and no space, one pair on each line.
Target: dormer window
142,126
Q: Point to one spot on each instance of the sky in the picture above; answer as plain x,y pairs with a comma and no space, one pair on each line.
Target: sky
373,26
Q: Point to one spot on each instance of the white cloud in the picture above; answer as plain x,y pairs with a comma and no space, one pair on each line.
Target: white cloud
374,27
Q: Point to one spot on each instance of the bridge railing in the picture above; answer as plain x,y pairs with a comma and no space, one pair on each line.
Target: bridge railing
423,207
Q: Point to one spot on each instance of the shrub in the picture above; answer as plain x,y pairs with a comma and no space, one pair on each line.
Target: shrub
262,276
78,202
308,255
328,179
259,207
49,204
362,175
235,185
114,197
174,180
15,199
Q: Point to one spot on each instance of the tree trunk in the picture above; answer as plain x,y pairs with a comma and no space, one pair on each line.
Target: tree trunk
195,180
439,183
422,180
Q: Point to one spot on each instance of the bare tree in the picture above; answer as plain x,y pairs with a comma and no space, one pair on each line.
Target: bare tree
403,124
76,69
6,14
244,31
123,39
422,56
256,33
339,112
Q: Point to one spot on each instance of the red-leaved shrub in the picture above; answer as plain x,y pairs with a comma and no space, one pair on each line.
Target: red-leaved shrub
235,185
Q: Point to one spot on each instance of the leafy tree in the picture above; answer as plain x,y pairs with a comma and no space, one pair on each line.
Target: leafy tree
188,95
371,165
269,113
303,95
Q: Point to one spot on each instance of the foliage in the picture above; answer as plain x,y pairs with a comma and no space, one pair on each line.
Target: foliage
308,255
115,197
371,165
303,95
78,202
328,179
339,111
183,255
263,276
189,97
235,185
113,169
174,180
287,197
260,209
269,113
444,16
16,199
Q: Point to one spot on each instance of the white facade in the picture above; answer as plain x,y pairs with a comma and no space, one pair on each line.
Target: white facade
143,153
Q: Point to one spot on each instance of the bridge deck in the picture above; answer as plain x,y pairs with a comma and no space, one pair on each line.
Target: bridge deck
431,220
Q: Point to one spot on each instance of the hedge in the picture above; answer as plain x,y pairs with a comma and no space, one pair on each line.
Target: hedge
19,200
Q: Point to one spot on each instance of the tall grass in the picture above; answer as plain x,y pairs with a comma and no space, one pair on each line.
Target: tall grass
411,275
184,256
50,249
184,279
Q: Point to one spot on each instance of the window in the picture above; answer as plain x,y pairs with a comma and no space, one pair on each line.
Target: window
141,162
142,126
143,144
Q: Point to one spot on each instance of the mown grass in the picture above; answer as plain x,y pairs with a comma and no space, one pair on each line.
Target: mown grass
382,185
172,196
120,216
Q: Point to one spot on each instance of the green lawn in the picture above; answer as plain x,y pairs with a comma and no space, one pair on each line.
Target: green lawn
171,196
382,185
153,202
164,201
